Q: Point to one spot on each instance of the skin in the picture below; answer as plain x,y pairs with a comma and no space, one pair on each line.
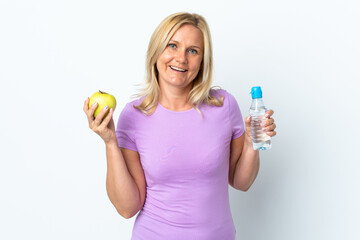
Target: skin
185,51
244,160
125,182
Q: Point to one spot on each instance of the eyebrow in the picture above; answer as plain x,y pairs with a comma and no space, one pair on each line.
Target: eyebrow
190,46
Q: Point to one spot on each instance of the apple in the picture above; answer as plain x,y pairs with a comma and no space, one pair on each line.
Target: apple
102,99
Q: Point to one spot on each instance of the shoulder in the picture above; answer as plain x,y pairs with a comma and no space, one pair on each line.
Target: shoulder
129,106
229,101
217,92
129,113
228,97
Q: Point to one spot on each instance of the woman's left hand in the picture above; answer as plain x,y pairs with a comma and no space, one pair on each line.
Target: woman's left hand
268,125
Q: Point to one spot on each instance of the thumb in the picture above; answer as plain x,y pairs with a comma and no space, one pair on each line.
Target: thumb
248,121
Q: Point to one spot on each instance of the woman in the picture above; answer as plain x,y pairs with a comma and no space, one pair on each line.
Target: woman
178,146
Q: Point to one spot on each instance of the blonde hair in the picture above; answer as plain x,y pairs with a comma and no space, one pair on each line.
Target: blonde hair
200,92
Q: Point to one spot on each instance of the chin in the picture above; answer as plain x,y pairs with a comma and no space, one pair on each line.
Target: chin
177,82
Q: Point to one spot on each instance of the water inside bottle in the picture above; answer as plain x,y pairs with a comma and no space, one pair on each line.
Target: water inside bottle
258,135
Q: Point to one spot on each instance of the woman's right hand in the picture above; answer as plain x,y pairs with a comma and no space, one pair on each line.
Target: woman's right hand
104,127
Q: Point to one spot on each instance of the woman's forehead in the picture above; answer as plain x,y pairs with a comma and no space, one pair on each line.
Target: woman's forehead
188,34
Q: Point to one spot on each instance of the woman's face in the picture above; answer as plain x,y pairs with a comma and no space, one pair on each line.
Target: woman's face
179,63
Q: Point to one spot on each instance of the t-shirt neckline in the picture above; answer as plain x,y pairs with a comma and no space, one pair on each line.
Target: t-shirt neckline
168,110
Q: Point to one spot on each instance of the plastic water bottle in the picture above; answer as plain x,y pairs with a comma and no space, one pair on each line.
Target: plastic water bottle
260,140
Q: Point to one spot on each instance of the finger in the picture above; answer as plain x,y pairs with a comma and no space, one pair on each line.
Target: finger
101,115
269,113
111,124
92,110
267,122
270,128
248,121
90,113
271,133
107,119
86,105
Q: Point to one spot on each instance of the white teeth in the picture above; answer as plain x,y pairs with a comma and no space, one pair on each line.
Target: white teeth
177,69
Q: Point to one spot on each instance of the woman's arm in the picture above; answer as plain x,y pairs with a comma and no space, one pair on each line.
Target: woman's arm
244,160
125,181
244,163
246,167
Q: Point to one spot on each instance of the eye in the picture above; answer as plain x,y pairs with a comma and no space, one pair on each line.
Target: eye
172,45
193,51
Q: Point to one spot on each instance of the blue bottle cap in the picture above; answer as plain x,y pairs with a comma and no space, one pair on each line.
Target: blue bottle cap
256,92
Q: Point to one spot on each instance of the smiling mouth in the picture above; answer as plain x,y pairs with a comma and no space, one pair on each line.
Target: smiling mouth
178,69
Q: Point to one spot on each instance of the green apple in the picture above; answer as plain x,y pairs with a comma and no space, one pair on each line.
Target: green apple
102,99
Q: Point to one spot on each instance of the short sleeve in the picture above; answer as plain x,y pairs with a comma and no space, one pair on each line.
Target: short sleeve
236,120
125,131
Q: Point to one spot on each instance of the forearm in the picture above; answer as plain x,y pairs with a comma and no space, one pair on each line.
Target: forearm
247,167
120,185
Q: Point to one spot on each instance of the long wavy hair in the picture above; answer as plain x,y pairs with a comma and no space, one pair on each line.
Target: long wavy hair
200,92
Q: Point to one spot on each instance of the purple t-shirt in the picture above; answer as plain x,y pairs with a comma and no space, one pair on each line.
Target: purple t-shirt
186,163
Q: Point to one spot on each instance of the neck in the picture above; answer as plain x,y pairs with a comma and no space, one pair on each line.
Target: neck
176,99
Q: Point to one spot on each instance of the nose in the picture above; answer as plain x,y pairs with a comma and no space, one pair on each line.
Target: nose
181,56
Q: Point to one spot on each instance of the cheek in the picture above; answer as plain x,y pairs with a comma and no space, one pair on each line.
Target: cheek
161,63
165,57
196,66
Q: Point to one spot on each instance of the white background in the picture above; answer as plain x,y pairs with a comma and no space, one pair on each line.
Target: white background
54,54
